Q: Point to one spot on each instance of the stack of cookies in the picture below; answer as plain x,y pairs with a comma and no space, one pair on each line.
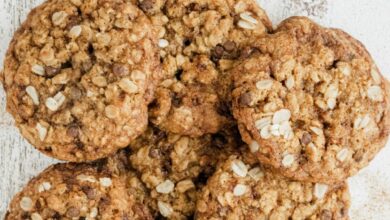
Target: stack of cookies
190,109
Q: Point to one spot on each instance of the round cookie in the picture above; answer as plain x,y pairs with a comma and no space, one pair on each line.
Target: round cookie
311,102
199,41
79,76
241,189
175,167
81,191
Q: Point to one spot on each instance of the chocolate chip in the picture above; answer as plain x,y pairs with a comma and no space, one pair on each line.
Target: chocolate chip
154,153
245,99
218,52
91,194
146,5
75,93
246,52
51,71
73,131
358,156
73,21
306,138
229,46
299,123
326,215
120,70
72,212
166,167
38,205
70,182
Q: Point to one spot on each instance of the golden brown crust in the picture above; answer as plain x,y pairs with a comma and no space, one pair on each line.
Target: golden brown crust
314,102
78,77
91,191
242,189
199,41
175,167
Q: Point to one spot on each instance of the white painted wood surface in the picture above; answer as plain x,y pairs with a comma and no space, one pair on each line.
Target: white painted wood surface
367,20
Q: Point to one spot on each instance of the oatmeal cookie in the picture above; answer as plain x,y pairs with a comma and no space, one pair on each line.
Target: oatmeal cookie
199,41
81,191
78,77
241,189
175,167
312,102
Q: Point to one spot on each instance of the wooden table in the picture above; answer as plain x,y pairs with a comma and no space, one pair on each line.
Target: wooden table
367,20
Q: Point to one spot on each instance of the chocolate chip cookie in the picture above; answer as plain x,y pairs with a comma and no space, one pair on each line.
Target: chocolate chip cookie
311,102
199,41
241,189
78,77
81,191
175,167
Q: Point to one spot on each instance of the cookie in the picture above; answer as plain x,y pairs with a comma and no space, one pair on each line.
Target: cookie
81,191
175,167
199,40
246,190
79,76
311,102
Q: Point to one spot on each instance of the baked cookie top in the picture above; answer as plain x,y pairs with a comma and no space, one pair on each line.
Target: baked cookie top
78,77
311,102
241,189
81,191
199,40
174,168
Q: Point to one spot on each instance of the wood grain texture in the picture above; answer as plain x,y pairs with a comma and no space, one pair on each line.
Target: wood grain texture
367,20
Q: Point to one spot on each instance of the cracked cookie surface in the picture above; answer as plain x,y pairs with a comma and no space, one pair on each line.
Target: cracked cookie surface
174,167
199,41
311,102
243,189
79,75
82,191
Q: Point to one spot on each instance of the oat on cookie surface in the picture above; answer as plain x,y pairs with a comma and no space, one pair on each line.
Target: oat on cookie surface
312,102
175,167
243,189
78,77
199,40
81,191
